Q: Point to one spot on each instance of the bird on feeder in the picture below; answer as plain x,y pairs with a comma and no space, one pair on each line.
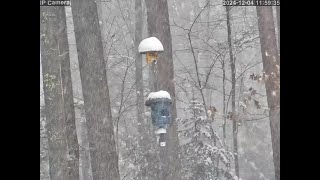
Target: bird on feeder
151,47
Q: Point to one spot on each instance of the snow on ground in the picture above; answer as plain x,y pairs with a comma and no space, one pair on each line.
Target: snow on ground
159,94
150,44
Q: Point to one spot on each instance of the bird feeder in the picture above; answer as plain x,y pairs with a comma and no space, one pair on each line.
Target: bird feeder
151,47
160,104
151,57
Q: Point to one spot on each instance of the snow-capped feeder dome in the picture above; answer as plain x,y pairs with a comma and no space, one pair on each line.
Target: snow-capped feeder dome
159,94
151,44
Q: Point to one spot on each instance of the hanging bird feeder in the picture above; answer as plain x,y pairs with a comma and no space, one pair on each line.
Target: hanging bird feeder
160,103
151,47
151,57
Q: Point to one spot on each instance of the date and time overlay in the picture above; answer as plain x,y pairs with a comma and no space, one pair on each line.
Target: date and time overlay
251,2
224,2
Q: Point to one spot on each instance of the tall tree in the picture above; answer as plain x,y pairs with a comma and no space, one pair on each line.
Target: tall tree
54,55
138,59
277,12
102,22
145,163
84,154
223,67
70,117
271,66
233,94
104,157
158,26
278,23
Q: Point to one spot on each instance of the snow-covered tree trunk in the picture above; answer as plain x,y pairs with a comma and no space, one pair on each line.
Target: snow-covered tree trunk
158,26
104,157
271,66
233,94
53,52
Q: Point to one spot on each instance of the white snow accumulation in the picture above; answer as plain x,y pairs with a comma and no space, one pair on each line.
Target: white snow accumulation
150,44
159,94
160,131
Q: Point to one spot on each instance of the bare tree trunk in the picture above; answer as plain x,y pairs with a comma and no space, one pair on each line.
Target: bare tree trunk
224,101
85,172
103,27
158,26
233,94
271,66
138,63
85,160
104,157
70,117
278,22
146,168
53,34
44,154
